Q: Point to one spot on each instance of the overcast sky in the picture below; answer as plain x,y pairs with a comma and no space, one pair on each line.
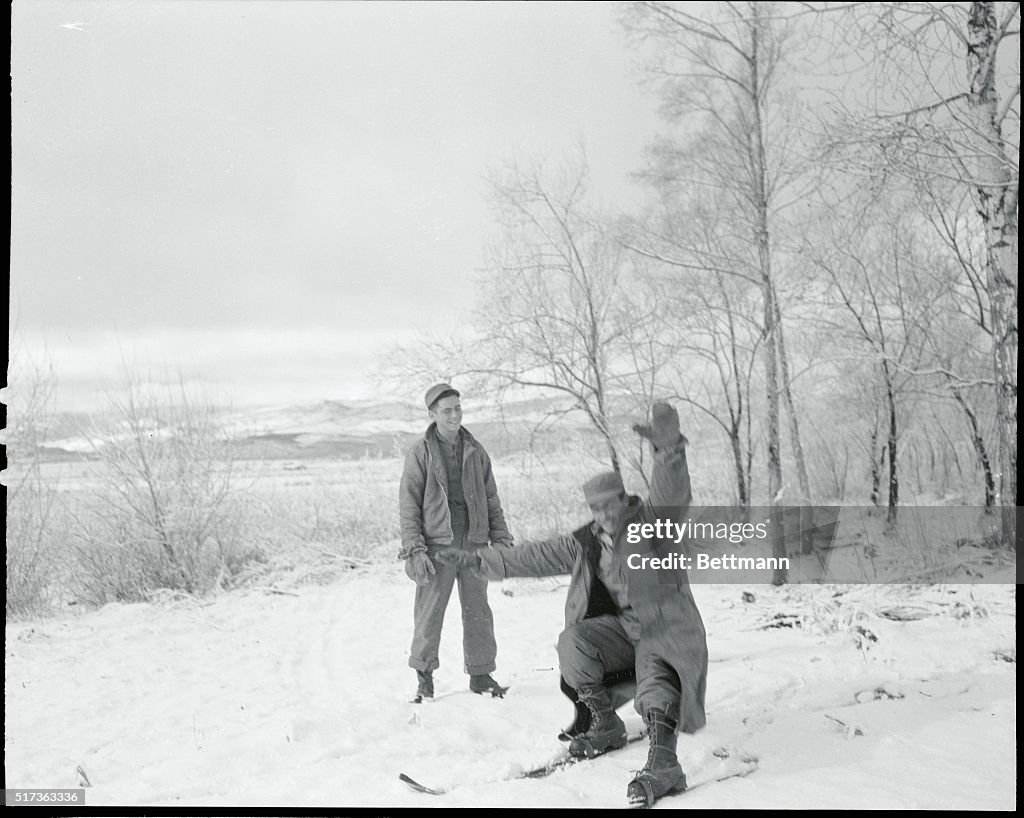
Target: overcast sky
265,193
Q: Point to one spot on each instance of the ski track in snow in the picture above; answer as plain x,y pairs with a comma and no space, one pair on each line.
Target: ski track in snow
301,699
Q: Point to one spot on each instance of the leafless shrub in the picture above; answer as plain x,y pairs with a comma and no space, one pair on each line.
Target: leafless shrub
32,503
165,513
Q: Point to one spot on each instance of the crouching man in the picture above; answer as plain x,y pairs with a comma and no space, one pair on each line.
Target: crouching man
622,618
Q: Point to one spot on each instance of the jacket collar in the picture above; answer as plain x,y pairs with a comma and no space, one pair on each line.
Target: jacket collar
431,436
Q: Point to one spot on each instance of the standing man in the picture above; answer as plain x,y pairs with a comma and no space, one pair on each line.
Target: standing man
621,616
448,498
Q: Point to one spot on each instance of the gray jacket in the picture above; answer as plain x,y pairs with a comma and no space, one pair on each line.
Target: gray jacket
423,496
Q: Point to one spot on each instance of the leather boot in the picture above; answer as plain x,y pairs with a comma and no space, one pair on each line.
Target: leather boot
424,686
662,773
606,731
484,683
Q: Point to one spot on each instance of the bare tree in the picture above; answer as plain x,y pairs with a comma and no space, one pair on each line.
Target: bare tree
430,357
977,441
881,280
957,347
558,312
709,336
722,67
995,180
929,120
727,338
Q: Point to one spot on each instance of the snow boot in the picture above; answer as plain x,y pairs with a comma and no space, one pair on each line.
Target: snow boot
606,731
484,683
580,724
662,774
424,686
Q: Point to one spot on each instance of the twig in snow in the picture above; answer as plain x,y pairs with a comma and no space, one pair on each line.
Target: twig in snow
849,728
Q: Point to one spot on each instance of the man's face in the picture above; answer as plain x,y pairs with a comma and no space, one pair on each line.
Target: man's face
447,414
608,512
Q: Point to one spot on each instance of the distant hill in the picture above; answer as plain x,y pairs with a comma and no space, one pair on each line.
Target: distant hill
351,429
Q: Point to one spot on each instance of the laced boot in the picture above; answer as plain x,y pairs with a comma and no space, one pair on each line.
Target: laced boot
662,773
606,731
424,686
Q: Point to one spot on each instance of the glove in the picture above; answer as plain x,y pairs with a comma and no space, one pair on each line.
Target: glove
419,567
468,560
663,430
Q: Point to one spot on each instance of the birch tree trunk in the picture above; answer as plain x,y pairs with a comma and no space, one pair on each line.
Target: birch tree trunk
791,415
996,194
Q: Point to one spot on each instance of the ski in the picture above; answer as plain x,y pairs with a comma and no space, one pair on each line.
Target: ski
540,771
563,761
731,763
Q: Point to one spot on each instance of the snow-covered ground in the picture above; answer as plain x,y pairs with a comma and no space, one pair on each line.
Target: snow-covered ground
298,697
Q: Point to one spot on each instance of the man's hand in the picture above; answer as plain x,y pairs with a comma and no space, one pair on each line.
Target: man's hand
456,556
663,430
419,567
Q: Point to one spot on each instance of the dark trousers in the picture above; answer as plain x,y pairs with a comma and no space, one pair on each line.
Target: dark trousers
591,651
478,645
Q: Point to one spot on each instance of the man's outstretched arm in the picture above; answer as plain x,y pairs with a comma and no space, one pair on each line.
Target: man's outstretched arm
545,558
670,477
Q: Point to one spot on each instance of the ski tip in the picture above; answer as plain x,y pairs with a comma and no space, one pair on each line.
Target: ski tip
416,785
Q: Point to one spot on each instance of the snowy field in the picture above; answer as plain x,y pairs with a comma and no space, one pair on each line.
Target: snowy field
297,696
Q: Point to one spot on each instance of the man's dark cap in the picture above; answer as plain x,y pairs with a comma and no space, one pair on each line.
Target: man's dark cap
438,391
602,486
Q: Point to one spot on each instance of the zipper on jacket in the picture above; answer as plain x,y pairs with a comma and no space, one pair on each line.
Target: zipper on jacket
447,505
466,451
